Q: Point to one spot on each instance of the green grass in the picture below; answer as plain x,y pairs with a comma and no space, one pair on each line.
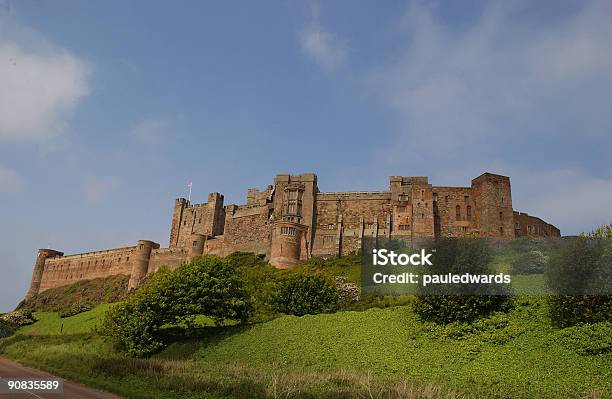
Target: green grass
515,355
49,323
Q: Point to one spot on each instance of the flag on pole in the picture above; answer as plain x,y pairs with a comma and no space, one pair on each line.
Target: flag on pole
189,185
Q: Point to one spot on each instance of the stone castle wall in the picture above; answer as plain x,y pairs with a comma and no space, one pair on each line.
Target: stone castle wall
291,220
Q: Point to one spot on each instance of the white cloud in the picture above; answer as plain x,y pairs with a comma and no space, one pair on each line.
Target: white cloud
39,85
96,190
150,131
504,74
327,50
10,180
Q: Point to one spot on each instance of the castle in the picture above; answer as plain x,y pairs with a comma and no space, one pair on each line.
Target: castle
291,220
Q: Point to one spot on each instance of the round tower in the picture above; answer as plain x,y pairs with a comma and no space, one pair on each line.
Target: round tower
140,264
39,268
286,245
197,245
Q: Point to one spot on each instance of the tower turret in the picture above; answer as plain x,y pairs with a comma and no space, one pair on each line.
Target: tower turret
140,264
39,268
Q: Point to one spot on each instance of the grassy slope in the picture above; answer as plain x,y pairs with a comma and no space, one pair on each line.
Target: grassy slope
517,356
50,322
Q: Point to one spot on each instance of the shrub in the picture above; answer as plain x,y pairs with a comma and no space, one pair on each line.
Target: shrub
76,309
588,339
6,329
348,293
207,286
531,262
19,318
460,302
301,293
579,276
260,280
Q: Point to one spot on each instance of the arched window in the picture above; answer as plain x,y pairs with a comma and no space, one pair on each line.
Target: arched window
468,212
458,212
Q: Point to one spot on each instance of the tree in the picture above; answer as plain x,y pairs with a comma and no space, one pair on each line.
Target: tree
206,286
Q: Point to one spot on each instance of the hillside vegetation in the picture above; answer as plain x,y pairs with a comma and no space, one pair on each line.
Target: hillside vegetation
518,355
96,291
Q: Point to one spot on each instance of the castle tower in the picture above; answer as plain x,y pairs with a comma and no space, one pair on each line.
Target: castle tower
177,215
197,245
493,199
140,264
39,268
288,244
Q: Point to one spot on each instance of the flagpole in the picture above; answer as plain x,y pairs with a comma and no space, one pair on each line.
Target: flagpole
189,185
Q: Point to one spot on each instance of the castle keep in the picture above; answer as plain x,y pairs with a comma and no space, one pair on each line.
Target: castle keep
291,220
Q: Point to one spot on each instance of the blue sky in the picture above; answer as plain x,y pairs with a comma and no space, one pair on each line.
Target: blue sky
108,109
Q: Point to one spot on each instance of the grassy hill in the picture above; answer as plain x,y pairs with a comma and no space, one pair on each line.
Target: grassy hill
95,291
516,355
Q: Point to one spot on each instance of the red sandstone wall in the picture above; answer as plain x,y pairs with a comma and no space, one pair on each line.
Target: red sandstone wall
69,269
526,225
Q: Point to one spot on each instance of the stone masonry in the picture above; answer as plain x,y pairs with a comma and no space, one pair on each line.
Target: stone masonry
291,221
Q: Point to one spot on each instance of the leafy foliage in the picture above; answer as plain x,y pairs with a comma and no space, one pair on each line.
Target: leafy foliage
6,328
206,286
301,293
76,309
19,318
531,262
260,281
460,302
580,276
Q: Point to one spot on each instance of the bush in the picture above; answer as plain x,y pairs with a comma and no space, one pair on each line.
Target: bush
348,293
19,318
6,329
588,339
260,280
301,293
460,302
579,276
207,286
531,262
76,309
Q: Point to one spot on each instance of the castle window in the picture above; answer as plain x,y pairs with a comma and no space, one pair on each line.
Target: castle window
422,194
468,212
517,225
403,197
288,231
466,198
501,216
422,216
435,196
330,226
370,226
446,199
501,231
463,229
127,259
200,220
184,223
328,241
458,212
404,227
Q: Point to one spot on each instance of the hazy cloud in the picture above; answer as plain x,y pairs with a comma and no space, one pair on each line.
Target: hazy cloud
39,85
327,50
504,74
10,180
